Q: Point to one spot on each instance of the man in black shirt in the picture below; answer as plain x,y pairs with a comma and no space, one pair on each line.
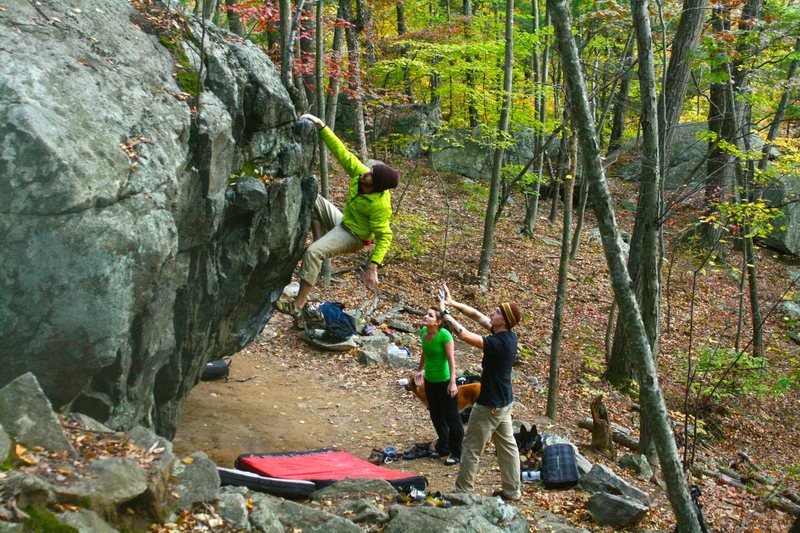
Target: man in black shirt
491,415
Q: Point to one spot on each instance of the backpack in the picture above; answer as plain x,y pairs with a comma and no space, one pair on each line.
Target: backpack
339,326
559,467
217,369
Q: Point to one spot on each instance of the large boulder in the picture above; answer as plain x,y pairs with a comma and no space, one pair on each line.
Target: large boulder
469,152
687,151
409,127
128,257
784,193
27,414
687,168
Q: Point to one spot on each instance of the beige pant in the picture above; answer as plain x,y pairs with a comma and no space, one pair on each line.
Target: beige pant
483,425
335,240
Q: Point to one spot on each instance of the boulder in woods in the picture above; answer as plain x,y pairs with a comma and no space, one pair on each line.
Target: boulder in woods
157,193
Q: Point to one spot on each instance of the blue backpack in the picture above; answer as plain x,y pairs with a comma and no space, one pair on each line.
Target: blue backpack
339,326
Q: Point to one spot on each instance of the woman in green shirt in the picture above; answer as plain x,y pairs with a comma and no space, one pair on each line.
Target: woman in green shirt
438,369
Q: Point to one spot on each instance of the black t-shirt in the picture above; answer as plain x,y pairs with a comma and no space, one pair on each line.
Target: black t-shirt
499,354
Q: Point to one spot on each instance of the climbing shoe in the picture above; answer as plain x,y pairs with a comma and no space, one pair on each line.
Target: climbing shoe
287,308
451,461
502,495
410,495
437,500
418,451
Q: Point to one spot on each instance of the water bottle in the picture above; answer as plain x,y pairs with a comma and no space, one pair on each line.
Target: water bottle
531,475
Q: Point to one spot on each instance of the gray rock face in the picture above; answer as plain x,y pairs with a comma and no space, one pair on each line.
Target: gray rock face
601,479
110,482
127,259
362,511
232,507
85,521
355,488
785,190
26,413
685,153
293,515
790,309
618,511
264,513
198,480
415,122
5,445
553,523
637,463
468,153
687,168
28,489
481,515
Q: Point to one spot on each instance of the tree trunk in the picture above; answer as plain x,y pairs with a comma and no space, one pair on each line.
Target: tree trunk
234,23
209,8
621,103
564,150
677,80
719,168
287,55
648,279
307,51
334,80
319,85
601,429
620,370
502,129
629,311
742,120
400,9
583,195
363,22
561,289
532,199
354,61
472,108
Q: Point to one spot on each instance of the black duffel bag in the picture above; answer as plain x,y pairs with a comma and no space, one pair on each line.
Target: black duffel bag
217,369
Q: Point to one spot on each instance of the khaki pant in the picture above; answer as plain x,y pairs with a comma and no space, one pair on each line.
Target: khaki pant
485,423
335,241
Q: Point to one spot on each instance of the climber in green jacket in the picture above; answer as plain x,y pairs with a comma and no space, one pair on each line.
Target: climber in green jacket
366,216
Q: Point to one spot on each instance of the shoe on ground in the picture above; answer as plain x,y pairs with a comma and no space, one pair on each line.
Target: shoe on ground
287,308
437,500
409,495
418,451
437,455
451,461
504,497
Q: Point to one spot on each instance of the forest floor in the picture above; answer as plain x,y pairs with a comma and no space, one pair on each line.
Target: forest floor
294,397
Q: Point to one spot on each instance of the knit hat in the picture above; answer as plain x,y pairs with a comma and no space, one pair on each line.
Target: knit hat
384,177
511,314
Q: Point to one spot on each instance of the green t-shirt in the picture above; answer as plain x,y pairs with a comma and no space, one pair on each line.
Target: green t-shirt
437,369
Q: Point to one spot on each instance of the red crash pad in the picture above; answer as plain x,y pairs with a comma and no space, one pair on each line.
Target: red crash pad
323,467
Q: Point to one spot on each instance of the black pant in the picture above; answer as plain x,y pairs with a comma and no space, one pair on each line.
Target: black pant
445,418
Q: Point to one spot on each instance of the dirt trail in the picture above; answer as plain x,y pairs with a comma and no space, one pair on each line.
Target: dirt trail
300,399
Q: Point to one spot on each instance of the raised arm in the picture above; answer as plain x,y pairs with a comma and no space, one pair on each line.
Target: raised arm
462,333
449,350
470,312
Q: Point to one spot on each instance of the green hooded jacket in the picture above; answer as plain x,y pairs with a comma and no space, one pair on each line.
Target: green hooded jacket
366,215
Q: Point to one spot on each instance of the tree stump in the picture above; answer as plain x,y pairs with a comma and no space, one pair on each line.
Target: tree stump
601,429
